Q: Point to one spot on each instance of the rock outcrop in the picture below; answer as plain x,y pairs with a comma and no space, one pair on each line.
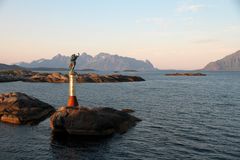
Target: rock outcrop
4,78
49,77
19,108
91,122
14,75
28,76
185,74
96,78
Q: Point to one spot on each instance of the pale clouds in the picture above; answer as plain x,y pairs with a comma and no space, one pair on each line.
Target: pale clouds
232,28
161,22
190,8
205,41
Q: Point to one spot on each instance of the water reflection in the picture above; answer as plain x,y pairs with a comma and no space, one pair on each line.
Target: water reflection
66,146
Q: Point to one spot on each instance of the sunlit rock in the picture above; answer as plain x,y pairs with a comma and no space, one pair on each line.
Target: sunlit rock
19,108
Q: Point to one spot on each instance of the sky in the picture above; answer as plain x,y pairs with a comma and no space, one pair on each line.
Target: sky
172,34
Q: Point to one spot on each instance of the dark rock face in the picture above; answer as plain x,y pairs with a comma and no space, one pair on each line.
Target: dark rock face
28,76
19,108
91,122
186,74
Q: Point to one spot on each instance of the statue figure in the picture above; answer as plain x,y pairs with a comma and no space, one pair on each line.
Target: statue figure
73,62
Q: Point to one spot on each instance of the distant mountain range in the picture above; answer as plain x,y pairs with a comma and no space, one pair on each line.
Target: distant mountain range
102,61
9,67
228,63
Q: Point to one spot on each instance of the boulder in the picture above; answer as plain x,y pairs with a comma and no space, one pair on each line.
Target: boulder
84,121
38,78
19,108
57,78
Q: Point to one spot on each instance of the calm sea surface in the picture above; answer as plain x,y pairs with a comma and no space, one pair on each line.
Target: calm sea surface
183,118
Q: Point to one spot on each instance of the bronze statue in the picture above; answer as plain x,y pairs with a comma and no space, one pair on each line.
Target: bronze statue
73,62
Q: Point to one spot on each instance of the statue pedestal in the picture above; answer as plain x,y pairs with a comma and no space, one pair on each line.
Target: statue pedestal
72,100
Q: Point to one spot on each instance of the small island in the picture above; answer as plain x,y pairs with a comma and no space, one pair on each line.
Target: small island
185,74
56,77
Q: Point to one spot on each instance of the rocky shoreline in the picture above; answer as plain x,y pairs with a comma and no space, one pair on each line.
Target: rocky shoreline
56,77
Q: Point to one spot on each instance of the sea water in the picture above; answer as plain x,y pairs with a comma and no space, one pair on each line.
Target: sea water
182,118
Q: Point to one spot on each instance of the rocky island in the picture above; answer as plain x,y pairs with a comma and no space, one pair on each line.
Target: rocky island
56,77
185,74
19,108
82,121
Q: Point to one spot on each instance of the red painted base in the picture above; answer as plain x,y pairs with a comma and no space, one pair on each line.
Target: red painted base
72,101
